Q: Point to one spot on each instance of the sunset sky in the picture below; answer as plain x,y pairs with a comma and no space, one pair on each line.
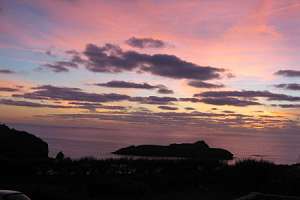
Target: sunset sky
198,66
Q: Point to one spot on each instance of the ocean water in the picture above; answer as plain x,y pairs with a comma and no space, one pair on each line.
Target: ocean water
100,142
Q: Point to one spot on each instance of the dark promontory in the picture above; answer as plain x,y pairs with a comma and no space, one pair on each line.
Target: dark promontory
21,145
199,150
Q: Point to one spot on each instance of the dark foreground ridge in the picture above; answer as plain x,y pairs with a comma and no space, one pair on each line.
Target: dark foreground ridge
21,145
199,150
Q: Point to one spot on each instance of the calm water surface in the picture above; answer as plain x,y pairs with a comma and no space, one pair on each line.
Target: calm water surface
97,142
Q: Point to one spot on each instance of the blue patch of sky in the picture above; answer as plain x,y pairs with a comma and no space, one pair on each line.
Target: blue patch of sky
23,59
29,19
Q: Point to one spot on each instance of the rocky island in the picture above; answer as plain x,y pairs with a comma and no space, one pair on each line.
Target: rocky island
199,150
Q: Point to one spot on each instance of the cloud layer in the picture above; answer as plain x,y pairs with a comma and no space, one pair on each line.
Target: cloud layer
54,93
249,94
61,66
230,101
202,84
289,86
6,71
288,73
125,84
145,43
111,58
49,92
8,89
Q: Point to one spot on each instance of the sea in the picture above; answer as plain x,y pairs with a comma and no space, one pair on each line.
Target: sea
100,142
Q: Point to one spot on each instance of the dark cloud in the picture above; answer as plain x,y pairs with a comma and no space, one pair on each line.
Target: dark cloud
91,101
258,111
72,52
287,105
61,66
228,111
154,100
95,106
70,94
7,89
230,75
230,101
145,43
125,84
288,73
201,84
30,104
49,92
248,94
148,115
289,86
50,53
193,100
167,108
189,108
112,59
78,105
165,91
6,71
173,67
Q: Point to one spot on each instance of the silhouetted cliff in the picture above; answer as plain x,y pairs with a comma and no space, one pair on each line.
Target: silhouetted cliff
20,144
187,150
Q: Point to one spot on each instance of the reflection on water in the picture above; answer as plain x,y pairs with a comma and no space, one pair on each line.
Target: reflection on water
76,143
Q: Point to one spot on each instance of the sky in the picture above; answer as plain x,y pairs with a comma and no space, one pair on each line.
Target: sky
184,67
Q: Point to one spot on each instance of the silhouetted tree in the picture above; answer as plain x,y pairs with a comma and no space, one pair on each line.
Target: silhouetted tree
60,156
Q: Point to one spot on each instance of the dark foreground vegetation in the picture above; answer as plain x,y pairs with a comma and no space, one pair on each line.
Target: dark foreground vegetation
64,179
61,178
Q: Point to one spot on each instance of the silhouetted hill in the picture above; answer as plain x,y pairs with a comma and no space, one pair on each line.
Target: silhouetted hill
198,150
20,144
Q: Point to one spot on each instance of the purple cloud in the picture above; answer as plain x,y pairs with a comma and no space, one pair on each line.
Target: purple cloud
8,89
125,84
168,108
6,71
30,104
248,94
288,73
165,91
230,101
70,94
112,59
202,84
289,86
61,66
145,43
